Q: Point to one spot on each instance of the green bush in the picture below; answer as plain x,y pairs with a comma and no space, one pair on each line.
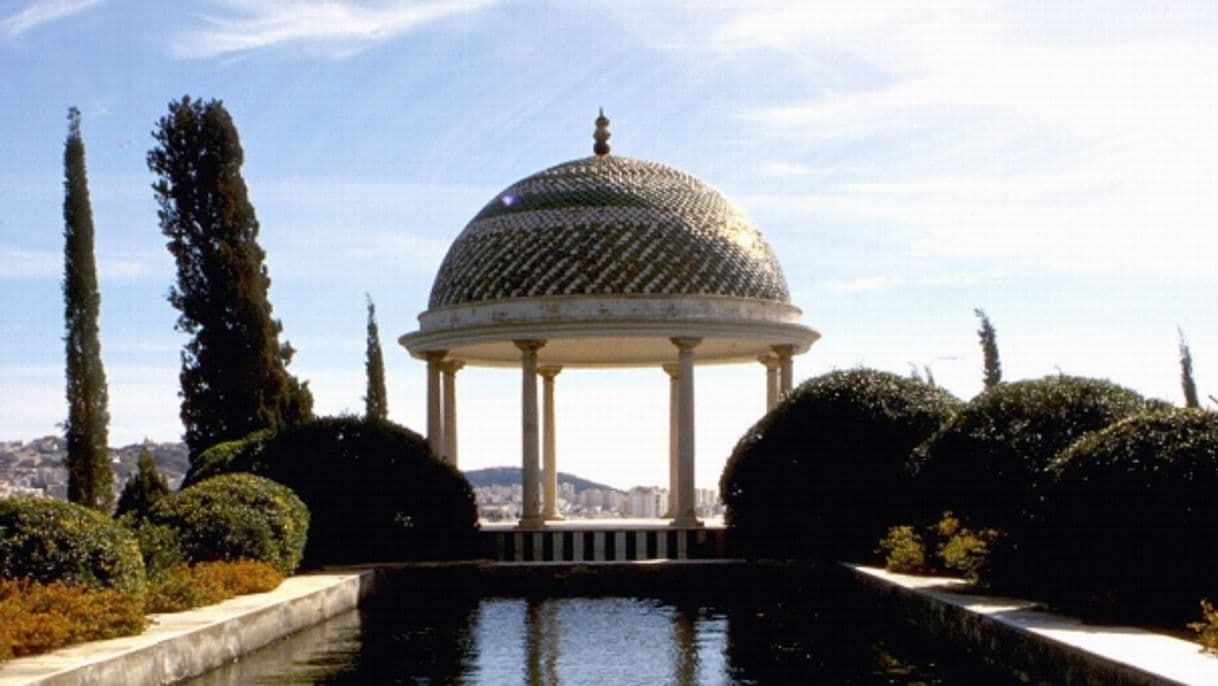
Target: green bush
962,550
988,464
903,550
237,517
823,474
374,490
143,488
1134,515
51,540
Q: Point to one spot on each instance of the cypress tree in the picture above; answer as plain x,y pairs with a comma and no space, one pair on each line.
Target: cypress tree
1186,373
234,370
88,461
143,488
989,349
376,403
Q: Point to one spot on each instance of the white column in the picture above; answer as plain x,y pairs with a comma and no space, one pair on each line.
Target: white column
435,410
771,380
450,369
530,517
549,509
784,353
685,432
674,478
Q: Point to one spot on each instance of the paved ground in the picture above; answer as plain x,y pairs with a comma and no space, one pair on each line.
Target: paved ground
183,644
1172,658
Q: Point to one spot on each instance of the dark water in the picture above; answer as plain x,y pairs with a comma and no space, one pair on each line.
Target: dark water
768,637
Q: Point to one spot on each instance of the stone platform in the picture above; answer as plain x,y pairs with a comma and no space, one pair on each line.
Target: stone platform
605,540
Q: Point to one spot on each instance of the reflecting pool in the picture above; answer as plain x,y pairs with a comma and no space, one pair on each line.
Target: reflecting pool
767,636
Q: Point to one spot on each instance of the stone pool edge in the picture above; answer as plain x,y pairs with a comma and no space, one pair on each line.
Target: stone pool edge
181,645
1041,647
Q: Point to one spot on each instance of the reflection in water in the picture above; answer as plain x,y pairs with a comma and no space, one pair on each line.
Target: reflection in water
787,634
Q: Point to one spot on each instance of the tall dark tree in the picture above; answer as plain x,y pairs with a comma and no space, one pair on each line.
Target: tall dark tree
1186,373
989,349
234,370
143,488
89,476
376,403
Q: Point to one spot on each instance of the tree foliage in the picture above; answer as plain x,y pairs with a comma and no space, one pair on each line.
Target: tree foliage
374,489
1134,514
1186,374
376,402
88,460
143,489
989,349
988,464
823,474
234,377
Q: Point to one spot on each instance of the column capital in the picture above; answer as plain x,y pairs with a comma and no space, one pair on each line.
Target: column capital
434,356
685,343
672,369
771,361
549,371
452,366
783,351
529,345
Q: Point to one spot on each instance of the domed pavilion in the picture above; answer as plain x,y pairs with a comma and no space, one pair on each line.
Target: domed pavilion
604,261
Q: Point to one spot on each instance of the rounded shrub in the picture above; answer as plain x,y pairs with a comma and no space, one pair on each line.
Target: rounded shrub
51,540
823,474
988,464
373,487
236,517
1135,514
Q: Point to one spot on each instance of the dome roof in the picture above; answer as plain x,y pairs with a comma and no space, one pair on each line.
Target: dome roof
608,225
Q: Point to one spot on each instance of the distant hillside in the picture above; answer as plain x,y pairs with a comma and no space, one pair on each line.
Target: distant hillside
42,460
508,476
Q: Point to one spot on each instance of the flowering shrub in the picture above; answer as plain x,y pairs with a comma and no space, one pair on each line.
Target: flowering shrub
36,617
903,550
184,587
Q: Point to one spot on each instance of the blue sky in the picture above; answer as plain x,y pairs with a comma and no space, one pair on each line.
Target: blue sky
1053,163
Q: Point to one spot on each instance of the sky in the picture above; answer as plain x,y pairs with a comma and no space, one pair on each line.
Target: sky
1055,164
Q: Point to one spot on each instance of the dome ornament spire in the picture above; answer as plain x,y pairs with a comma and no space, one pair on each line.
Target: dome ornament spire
601,148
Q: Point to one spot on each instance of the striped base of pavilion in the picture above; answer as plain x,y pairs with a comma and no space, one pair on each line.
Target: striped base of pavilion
606,540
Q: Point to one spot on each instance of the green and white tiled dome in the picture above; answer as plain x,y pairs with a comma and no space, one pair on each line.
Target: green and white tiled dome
608,225
608,260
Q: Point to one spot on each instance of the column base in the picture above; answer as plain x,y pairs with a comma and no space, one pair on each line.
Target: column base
687,522
531,523
553,517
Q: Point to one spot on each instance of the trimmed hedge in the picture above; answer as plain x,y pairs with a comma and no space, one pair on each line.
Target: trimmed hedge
988,464
236,517
1135,514
374,489
823,474
50,541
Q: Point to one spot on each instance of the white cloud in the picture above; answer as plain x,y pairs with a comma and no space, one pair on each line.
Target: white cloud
42,12
19,263
337,29
1057,140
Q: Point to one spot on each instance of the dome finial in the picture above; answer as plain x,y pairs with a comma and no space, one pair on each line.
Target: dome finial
601,148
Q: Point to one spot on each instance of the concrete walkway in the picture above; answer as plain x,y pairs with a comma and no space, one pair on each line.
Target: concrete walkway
1073,652
184,644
